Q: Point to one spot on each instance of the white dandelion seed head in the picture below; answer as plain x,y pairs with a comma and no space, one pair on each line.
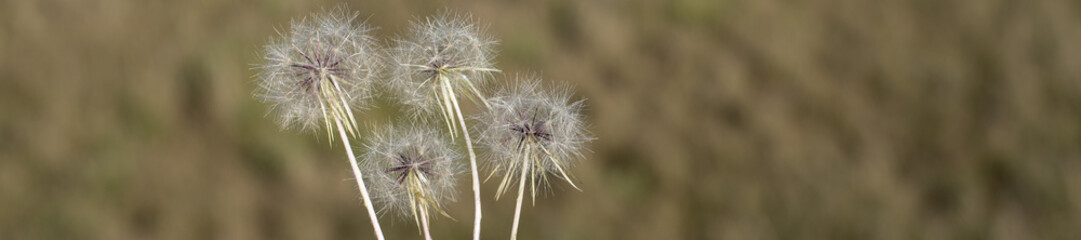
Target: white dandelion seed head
450,44
528,125
410,168
322,67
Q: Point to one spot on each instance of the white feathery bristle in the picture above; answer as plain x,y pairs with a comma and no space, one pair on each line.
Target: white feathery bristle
448,43
528,125
328,50
410,168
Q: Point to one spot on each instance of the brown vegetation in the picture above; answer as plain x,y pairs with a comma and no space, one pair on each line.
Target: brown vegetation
715,119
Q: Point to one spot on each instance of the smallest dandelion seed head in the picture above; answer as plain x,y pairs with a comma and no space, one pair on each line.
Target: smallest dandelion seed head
319,70
528,125
411,169
447,45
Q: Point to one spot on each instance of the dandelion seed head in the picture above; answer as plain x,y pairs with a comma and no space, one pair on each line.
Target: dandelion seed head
410,168
528,125
448,44
320,69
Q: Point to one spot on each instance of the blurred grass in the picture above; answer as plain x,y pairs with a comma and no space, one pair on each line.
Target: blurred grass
733,119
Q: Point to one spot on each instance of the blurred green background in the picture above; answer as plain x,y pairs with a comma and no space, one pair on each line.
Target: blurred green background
715,119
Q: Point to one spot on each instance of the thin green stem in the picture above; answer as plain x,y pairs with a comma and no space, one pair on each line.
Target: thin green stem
360,179
424,222
518,205
472,159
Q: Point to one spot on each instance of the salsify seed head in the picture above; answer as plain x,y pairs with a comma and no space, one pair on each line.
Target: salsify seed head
320,70
447,46
528,124
410,169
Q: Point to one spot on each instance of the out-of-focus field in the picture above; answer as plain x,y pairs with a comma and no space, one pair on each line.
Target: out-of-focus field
715,119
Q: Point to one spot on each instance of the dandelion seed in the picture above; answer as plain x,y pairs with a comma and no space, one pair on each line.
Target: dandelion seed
412,171
441,58
319,71
532,134
529,126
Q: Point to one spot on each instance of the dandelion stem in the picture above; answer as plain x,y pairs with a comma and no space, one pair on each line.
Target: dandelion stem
360,180
472,161
518,205
424,222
